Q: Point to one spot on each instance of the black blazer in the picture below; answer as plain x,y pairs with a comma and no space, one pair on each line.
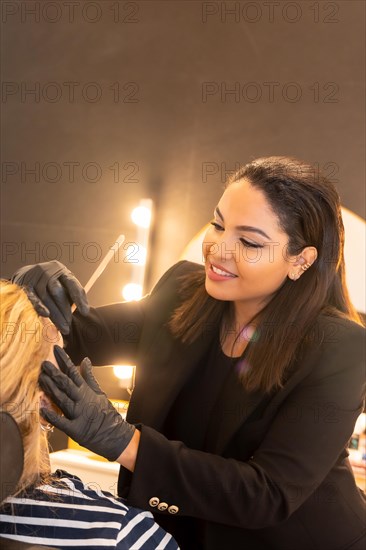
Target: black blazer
275,474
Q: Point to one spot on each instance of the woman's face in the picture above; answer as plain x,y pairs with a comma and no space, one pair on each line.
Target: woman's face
245,250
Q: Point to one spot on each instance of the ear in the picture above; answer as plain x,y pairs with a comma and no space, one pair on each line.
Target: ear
302,262
47,403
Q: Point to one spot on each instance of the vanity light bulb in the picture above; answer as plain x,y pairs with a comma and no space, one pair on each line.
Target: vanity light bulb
123,372
141,216
131,292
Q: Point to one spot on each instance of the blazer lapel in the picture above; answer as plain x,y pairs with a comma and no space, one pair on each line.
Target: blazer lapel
236,406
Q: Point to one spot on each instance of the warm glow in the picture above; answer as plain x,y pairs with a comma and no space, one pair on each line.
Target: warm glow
136,254
141,216
132,291
123,372
360,425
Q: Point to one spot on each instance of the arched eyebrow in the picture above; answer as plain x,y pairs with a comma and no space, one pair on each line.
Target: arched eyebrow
244,227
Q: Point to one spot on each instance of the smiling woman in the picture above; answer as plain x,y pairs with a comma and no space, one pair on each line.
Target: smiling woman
277,220
249,376
252,278
233,272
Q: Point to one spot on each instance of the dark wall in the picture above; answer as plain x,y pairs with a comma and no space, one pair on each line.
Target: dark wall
143,86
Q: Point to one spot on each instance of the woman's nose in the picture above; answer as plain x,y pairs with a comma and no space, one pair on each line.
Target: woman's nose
224,248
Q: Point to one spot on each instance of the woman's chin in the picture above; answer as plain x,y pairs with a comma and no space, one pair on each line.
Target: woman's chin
214,291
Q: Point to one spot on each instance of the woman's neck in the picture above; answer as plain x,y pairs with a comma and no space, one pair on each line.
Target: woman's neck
236,332
243,314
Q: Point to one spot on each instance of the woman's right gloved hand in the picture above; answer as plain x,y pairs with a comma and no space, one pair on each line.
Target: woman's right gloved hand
56,288
89,417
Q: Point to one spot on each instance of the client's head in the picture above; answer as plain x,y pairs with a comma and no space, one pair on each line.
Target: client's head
26,341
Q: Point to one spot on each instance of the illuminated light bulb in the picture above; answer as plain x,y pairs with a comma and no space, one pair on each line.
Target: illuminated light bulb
123,372
131,292
141,216
136,254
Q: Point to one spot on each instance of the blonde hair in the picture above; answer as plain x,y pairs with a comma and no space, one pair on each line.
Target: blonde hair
24,345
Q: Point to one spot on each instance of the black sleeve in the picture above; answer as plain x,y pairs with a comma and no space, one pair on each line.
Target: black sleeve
111,334
305,438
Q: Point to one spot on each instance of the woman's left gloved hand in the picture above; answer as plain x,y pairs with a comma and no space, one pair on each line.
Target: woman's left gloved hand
89,417
54,290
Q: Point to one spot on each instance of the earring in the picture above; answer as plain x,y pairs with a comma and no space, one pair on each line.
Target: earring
294,276
305,266
47,427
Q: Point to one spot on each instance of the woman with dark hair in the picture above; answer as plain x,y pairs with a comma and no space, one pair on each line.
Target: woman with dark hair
250,374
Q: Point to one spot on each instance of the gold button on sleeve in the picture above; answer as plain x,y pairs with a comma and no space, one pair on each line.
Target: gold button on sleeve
154,501
173,509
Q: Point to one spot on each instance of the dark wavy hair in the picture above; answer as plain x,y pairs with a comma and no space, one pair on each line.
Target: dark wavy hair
308,209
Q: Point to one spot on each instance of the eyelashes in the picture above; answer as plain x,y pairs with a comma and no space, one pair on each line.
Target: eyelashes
243,241
217,226
249,244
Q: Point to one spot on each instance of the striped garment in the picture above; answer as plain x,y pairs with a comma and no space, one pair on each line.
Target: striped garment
68,515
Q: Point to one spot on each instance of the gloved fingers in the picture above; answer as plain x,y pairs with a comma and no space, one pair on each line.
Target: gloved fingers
27,275
58,396
59,304
56,309
40,308
55,419
46,280
61,381
86,371
76,292
67,366
37,277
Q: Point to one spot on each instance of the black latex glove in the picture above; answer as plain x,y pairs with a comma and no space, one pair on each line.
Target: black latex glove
56,289
90,418
36,303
